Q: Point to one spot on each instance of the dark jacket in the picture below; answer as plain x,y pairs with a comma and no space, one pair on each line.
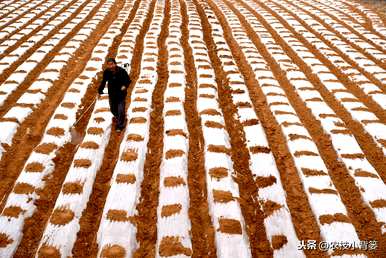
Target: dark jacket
115,82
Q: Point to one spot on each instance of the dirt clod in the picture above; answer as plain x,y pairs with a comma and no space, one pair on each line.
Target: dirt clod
114,251
169,210
72,188
61,216
46,148
230,226
47,251
56,131
12,211
82,163
171,246
278,241
34,167
89,145
129,155
125,179
23,188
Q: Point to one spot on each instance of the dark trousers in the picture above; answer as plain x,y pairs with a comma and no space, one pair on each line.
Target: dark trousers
117,107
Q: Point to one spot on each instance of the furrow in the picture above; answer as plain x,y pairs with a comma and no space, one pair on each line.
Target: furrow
365,73
173,223
119,232
28,26
312,126
363,36
202,228
148,226
130,38
88,160
41,164
261,158
8,24
353,112
10,61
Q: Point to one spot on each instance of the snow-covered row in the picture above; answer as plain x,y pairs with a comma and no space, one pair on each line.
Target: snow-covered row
330,18
173,224
343,5
17,13
39,88
77,186
10,5
22,21
312,171
354,54
12,57
345,144
356,76
230,231
40,163
343,11
376,20
29,28
278,224
350,102
117,230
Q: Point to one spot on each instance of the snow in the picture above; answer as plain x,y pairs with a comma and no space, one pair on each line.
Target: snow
86,176
35,179
20,113
125,196
347,145
306,161
8,129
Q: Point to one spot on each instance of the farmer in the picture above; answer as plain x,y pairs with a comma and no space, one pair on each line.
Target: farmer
118,83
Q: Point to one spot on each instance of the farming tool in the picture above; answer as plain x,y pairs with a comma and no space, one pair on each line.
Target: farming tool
126,66
76,137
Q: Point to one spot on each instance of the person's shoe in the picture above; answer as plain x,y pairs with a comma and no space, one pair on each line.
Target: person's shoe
118,130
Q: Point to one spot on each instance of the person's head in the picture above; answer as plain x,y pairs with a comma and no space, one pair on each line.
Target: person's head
111,64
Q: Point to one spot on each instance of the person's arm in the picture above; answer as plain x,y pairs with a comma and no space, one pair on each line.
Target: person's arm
126,81
103,83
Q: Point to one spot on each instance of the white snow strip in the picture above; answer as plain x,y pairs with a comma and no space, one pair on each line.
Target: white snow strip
13,227
125,196
178,224
262,164
301,162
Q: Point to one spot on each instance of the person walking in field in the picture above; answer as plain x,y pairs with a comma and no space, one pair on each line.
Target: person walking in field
118,82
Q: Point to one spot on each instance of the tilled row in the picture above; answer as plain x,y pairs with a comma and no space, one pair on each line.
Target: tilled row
7,8
330,79
306,156
345,144
316,108
173,224
361,67
223,193
36,93
270,194
119,225
44,92
372,18
20,203
25,27
10,21
87,161
59,17
372,30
